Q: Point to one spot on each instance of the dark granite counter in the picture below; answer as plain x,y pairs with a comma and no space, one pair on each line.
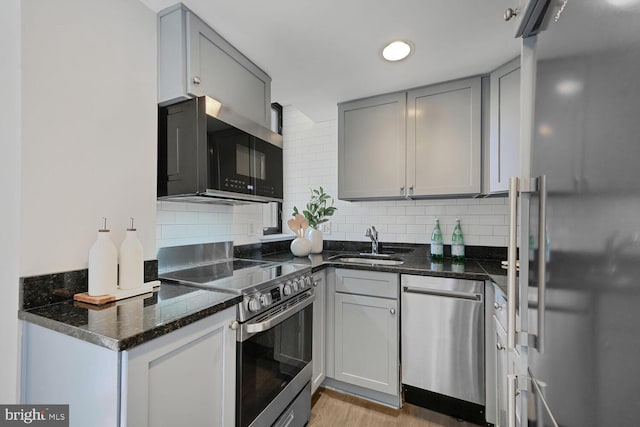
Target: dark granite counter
124,324
47,300
482,264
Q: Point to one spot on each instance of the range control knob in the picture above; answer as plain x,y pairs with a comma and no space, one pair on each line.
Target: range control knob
286,289
302,283
266,300
308,281
294,285
254,304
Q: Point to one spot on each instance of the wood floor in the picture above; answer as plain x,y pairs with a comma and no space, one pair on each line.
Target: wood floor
332,409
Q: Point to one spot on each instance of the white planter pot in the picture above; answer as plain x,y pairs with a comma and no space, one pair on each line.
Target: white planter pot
300,246
315,237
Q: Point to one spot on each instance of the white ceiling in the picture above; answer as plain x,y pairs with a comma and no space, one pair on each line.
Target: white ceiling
327,51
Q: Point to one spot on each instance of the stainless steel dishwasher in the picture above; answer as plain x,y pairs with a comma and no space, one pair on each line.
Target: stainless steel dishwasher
442,345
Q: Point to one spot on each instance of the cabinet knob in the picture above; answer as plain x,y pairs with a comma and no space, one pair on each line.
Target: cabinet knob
402,189
411,190
497,306
315,283
510,13
196,80
392,310
500,347
234,325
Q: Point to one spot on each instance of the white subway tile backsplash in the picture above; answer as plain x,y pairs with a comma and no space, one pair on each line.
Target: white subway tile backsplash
480,210
165,217
174,231
186,218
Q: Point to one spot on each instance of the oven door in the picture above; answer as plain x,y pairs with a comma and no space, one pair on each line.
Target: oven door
273,361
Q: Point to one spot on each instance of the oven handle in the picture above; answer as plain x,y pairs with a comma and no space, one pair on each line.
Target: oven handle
253,328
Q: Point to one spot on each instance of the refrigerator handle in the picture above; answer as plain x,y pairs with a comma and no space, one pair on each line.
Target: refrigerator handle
542,260
512,256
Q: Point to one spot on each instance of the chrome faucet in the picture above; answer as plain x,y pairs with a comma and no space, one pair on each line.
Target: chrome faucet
372,233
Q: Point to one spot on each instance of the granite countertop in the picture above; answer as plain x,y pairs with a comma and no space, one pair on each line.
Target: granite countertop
416,261
124,324
130,322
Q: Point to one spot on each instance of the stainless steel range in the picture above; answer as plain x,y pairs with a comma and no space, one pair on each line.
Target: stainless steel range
274,335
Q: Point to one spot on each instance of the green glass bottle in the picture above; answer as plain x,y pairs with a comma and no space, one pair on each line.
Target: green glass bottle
457,243
437,245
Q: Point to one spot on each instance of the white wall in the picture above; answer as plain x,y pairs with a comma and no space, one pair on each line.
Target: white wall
311,160
10,190
89,124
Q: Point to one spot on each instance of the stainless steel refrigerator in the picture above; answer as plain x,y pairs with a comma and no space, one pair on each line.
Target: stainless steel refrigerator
576,334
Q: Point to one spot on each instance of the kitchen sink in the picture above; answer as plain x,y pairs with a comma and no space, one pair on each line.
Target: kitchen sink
369,259
391,250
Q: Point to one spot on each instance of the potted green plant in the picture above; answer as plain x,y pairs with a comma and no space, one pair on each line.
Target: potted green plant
317,212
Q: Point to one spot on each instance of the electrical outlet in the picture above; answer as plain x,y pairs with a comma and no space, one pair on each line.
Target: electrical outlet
251,228
326,228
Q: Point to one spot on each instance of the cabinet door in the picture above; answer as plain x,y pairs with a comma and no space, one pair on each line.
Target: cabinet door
186,377
444,139
366,342
504,147
502,370
319,331
215,68
371,147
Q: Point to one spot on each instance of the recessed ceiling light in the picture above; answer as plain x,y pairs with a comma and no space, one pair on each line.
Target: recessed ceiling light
395,51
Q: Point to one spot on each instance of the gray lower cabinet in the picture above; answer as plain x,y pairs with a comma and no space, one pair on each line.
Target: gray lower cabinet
319,330
186,377
504,146
502,370
194,60
366,330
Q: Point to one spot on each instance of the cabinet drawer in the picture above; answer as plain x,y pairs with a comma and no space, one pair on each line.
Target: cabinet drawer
373,283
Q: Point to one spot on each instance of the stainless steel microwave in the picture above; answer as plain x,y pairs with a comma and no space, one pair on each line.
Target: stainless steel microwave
208,154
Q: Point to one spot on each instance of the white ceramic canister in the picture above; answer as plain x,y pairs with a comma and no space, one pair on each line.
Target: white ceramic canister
316,239
300,246
103,264
131,262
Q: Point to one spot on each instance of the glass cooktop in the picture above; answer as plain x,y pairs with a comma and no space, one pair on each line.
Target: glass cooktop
234,275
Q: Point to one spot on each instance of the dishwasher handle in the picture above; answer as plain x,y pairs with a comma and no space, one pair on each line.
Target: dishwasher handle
445,294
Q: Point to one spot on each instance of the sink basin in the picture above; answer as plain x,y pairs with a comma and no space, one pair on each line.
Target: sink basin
391,250
368,259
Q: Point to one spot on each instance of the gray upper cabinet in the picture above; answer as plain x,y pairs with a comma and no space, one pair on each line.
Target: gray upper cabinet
504,146
422,143
194,60
444,137
371,147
